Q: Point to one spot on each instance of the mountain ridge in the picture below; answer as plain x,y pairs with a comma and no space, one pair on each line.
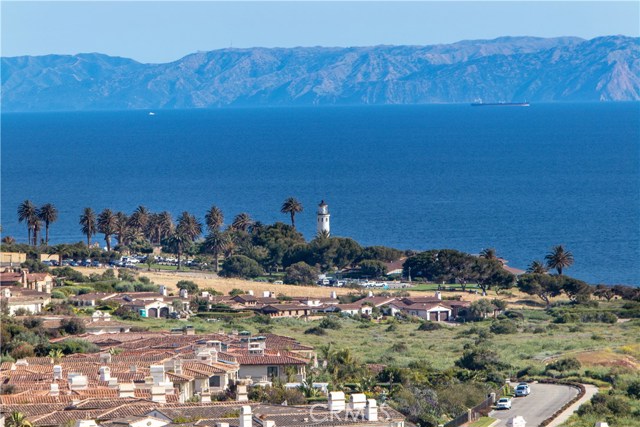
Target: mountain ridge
504,69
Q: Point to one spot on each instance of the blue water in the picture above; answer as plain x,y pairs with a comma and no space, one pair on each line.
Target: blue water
416,177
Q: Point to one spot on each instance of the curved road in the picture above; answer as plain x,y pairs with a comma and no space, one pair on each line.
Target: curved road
543,402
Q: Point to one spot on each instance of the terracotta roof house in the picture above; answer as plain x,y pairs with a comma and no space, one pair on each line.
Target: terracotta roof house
285,310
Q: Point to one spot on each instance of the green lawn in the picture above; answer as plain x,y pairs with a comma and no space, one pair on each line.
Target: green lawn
430,287
483,422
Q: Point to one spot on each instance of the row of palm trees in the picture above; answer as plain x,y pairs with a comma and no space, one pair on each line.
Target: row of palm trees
34,217
558,258
142,223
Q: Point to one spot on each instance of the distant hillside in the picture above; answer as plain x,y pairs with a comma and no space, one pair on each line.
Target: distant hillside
504,69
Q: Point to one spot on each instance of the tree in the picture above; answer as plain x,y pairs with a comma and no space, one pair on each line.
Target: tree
189,285
488,253
574,288
604,291
559,259
28,213
301,273
479,359
189,225
47,214
216,243
18,419
139,218
291,206
73,326
480,309
242,222
537,267
372,268
165,226
55,355
214,219
107,226
541,285
176,243
121,227
241,266
444,265
88,224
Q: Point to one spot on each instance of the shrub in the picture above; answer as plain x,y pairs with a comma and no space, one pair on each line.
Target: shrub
430,326
330,322
189,285
58,295
562,365
503,327
633,389
300,273
316,330
241,266
73,326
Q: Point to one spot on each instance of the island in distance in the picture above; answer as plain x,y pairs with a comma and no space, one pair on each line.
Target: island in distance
507,69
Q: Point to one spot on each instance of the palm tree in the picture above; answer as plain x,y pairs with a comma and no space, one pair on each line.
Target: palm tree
18,419
488,253
55,355
189,225
107,226
47,214
8,240
292,206
559,259
139,218
216,243
242,222
121,227
178,241
214,219
27,212
88,224
37,226
537,267
165,225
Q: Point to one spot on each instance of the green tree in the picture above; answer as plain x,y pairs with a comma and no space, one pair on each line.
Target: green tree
574,288
559,258
48,214
121,228
241,266
107,225
291,206
214,218
242,222
189,285
301,273
537,267
189,225
488,253
216,243
88,224
28,213
372,268
139,218
165,226
541,285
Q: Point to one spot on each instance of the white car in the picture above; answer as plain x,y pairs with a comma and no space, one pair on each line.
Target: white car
522,390
503,403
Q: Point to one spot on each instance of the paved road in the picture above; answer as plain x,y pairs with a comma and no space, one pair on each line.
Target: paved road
544,401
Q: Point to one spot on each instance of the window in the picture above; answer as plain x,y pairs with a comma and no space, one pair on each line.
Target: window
272,371
214,381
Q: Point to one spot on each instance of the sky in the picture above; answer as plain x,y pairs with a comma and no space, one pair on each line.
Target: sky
164,31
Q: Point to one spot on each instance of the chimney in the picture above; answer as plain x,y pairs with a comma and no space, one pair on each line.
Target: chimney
438,295
268,423
133,368
184,293
22,362
370,294
241,393
246,417
177,366
78,382
105,358
126,390
113,383
157,372
57,372
85,423
358,401
250,292
54,390
105,373
222,424
334,295
371,411
157,394
266,294
336,401
272,294
205,397
163,290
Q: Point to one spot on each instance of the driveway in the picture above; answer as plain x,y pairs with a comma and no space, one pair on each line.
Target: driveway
543,402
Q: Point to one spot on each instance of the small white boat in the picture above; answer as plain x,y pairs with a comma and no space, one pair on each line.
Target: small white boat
151,113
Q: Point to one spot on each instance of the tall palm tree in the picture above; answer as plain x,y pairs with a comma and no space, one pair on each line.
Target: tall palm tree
178,241
27,212
241,222
107,226
18,419
121,226
8,240
214,219
165,225
537,267
189,225
139,218
292,206
47,214
56,355
559,258
216,243
488,253
36,226
88,224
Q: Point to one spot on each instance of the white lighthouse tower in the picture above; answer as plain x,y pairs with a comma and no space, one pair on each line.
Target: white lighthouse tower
323,219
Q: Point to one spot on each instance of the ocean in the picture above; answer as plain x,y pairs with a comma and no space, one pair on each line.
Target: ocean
520,180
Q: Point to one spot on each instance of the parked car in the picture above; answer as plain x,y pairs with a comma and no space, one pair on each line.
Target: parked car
503,403
522,390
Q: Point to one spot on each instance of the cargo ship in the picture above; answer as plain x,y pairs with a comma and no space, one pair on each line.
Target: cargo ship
499,104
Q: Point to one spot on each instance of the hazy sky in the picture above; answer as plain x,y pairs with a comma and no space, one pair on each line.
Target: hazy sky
162,31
